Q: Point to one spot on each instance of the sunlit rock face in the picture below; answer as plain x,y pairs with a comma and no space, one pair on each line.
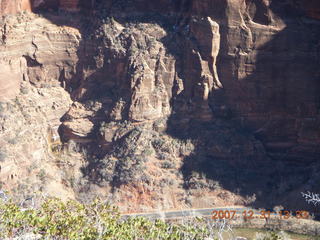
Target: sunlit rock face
238,77
14,6
244,60
241,59
213,7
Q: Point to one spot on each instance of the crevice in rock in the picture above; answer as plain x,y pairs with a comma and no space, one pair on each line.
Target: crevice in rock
32,62
258,12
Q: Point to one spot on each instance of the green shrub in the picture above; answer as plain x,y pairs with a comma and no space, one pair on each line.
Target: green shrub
42,175
147,152
24,90
13,141
74,221
167,165
272,236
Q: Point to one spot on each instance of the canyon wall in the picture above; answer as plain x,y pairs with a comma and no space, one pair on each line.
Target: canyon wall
215,88
14,6
247,61
214,7
34,54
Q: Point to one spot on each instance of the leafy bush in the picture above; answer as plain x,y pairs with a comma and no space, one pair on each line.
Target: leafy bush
24,90
272,236
74,221
13,140
42,175
167,165
169,146
147,152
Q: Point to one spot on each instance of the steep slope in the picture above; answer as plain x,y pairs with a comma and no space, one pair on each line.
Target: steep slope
170,103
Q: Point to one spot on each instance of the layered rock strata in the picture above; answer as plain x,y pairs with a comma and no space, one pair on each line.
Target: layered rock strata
232,86
35,54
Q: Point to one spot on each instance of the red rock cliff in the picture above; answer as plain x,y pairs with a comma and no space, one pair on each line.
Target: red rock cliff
310,7
14,6
239,76
239,48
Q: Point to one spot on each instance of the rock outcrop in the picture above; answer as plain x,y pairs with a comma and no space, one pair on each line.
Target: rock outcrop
35,55
14,6
233,86
10,81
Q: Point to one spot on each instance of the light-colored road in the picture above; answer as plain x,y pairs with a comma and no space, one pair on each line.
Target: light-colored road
202,212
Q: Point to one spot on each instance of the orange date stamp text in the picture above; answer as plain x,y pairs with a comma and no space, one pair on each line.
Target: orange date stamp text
262,214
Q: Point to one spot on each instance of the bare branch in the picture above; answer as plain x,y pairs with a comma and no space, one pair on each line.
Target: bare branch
311,197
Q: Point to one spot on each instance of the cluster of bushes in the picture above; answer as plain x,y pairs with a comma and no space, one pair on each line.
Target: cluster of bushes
167,146
72,220
129,169
126,162
272,236
200,181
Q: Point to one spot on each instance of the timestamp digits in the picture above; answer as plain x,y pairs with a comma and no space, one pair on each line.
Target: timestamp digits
263,214
284,214
223,214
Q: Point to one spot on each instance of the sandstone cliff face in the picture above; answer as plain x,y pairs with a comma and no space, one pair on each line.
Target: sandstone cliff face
262,85
14,6
35,57
262,93
34,53
213,88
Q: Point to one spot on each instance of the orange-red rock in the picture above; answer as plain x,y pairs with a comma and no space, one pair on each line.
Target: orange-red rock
246,71
14,6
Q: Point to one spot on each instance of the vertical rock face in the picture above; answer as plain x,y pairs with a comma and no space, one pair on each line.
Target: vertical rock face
10,81
69,4
14,6
46,4
31,97
262,68
242,58
312,9
239,77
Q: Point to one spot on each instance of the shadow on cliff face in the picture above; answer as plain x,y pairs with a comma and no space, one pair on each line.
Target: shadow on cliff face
272,157
97,72
87,75
284,85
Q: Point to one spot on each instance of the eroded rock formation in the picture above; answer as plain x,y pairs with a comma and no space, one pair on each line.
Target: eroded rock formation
14,6
213,88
